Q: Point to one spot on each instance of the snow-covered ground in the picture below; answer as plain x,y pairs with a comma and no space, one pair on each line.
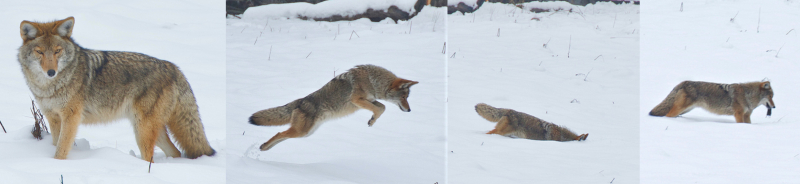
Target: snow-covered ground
703,43
516,71
274,60
187,33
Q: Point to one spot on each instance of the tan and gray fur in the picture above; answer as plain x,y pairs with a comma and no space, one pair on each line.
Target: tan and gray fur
358,88
74,85
512,123
737,99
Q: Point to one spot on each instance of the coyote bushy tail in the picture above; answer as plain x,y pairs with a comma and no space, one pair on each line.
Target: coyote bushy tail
518,124
490,113
185,124
275,116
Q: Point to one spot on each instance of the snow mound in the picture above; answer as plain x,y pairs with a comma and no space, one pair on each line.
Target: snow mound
467,2
548,6
325,9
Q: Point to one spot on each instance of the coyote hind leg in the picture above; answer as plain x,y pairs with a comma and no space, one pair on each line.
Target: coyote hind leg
166,144
502,127
301,126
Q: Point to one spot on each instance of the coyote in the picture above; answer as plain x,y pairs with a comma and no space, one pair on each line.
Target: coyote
358,88
518,124
75,85
738,100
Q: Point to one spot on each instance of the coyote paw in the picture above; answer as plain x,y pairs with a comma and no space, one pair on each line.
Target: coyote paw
264,147
371,121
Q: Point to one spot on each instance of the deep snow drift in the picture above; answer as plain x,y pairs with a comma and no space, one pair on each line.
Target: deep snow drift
274,60
724,42
185,33
515,70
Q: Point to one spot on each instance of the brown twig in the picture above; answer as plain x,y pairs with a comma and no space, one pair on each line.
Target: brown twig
38,119
570,46
351,35
410,25
150,165
259,35
4,127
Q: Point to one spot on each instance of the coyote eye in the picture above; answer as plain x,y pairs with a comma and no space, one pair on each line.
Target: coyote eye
57,51
40,52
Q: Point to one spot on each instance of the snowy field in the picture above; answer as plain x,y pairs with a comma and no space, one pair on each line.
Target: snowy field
274,60
186,33
514,70
702,43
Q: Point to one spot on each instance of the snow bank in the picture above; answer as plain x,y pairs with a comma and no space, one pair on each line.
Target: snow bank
548,6
467,2
326,8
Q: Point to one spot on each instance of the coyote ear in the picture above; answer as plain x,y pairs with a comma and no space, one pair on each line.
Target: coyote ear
64,27
402,83
27,30
409,84
765,85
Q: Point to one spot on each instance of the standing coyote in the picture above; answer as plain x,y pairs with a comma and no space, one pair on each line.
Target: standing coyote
518,124
738,100
74,85
358,88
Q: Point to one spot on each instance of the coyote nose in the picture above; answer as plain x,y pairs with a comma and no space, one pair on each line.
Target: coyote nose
51,73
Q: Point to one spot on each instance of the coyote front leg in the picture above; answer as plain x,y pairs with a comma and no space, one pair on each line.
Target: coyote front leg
376,107
55,125
71,119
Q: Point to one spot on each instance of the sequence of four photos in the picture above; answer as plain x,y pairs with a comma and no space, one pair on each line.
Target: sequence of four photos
504,91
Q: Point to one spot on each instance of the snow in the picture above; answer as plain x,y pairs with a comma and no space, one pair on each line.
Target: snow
466,2
514,70
702,43
273,61
550,5
326,8
176,31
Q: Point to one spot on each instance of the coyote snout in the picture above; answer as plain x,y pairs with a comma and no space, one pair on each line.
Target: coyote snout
399,91
48,59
